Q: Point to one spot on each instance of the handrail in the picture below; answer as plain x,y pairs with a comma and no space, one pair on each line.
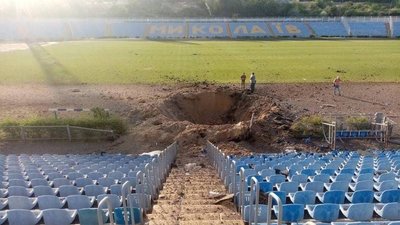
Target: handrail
242,190
106,201
271,196
127,185
254,184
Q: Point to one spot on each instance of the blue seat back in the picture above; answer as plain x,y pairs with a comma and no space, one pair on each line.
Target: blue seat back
326,212
336,197
119,215
89,216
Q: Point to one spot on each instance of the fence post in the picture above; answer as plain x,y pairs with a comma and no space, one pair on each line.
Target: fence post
69,133
23,133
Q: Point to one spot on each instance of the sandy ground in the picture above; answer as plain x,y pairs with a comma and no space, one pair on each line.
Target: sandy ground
158,115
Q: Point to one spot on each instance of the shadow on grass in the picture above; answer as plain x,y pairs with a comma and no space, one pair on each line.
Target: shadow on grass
55,72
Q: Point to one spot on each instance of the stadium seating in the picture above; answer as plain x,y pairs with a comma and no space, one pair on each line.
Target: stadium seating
249,29
73,29
207,30
338,187
368,29
328,28
290,29
396,29
44,189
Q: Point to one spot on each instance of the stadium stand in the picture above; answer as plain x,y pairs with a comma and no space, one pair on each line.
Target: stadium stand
55,197
368,29
75,29
328,29
290,29
396,29
207,30
359,187
249,29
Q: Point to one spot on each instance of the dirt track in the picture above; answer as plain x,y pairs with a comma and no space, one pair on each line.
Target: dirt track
190,114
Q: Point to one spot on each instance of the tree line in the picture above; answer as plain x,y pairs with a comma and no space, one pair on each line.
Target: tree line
203,8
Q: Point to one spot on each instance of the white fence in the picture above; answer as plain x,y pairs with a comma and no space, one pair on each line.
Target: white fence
63,132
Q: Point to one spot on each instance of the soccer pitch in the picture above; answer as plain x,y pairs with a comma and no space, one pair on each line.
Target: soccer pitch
141,61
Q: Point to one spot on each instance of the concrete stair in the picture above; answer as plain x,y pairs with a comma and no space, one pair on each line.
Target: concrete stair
188,196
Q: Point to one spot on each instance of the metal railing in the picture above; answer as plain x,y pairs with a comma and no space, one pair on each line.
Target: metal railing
59,132
148,182
105,201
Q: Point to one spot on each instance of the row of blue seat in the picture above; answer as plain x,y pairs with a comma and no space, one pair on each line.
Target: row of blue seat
327,212
58,29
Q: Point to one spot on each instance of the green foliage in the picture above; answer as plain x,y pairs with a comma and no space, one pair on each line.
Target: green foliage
358,123
149,62
307,126
100,113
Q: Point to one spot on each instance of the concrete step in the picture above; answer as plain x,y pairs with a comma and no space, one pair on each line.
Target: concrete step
211,222
162,209
209,216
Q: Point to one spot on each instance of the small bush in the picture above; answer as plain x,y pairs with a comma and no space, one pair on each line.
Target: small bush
307,126
358,123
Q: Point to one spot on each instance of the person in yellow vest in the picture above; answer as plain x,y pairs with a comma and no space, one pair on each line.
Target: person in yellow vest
336,86
243,83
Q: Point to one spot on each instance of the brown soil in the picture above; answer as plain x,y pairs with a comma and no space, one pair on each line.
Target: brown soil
190,114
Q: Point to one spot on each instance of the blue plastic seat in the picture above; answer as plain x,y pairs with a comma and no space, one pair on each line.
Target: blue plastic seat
266,172
303,197
51,202
115,200
324,212
337,186
388,211
346,177
316,186
44,190
19,182
386,185
3,204
66,190
119,215
23,216
258,177
281,195
301,178
74,175
363,196
358,212
82,182
362,185
275,179
132,180
116,189
59,216
288,187
95,175
40,182
58,182
336,197
386,177
54,175
265,186
106,181
117,175
291,212
95,190
388,196
329,172
363,177
79,201
347,171
21,202
19,191
308,172
89,216
321,177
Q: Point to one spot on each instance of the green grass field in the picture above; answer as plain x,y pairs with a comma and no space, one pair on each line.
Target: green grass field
123,62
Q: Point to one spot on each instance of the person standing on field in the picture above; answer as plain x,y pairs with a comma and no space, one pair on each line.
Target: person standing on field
336,86
252,82
243,83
